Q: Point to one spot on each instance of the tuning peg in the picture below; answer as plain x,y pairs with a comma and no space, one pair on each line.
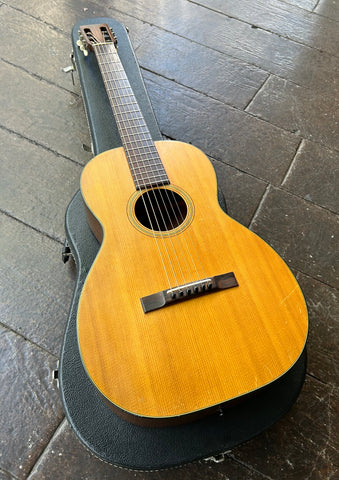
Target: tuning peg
113,35
82,47
84,50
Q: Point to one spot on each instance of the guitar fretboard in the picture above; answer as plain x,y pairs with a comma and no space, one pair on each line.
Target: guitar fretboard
145,164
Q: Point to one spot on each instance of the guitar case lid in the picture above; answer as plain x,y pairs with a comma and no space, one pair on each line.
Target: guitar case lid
105,434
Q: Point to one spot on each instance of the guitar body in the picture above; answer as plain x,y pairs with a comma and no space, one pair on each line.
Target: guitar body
196,354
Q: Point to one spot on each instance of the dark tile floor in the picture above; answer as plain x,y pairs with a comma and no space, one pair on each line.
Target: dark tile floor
254,84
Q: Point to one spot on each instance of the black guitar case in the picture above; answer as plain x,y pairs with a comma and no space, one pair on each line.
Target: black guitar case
106,435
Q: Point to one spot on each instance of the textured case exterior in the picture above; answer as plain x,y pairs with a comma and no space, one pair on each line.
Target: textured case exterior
108,436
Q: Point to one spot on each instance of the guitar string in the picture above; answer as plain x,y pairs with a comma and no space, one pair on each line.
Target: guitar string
167,193
102,67
130,95
174,201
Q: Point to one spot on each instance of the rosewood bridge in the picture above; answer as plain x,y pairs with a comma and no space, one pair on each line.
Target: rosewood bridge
188,291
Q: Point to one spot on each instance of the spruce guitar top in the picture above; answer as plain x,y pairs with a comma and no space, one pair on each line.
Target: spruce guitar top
184,309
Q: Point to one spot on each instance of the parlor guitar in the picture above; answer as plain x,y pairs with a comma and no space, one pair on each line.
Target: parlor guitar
184,310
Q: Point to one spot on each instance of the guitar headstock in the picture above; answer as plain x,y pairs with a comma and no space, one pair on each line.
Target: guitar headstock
92,35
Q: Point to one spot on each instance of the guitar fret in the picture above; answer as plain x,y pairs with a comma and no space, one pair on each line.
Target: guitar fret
152,175
144,153
146,164
135,134
131,111
146,156
149,179
143,164
135,145
142,170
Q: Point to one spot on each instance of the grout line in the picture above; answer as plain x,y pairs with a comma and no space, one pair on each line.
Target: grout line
26,339
39,77
10,474
317,379
257,92
286,2
45,234
39,19
288,171
308,275
258,209
40,457
316,6
315,205
232,456
37,144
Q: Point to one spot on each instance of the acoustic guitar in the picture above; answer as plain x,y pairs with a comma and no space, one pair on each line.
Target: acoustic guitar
184,310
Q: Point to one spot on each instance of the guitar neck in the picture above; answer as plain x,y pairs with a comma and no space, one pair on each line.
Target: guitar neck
145,164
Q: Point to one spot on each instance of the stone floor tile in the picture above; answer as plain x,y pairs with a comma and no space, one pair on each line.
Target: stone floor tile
283,19
297,109
64,14
323,338
222,132
304,444
314,175
40,199
30,406
242,192
36,287
52,53
328,9
66,459
275,54
31,113
305,235
306,4
268,51
233,82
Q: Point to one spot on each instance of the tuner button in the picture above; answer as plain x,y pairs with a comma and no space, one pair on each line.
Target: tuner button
79,43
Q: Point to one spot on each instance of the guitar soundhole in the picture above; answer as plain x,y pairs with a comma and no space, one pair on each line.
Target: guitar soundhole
160,209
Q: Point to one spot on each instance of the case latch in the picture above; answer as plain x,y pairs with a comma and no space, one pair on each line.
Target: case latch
71,68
